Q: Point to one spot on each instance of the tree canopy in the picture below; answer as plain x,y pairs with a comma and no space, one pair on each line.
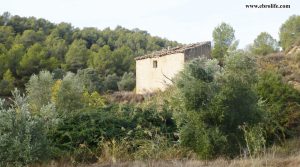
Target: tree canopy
289,32
29,45
264,44
224,38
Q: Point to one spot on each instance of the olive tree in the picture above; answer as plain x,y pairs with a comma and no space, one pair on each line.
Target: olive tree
38,89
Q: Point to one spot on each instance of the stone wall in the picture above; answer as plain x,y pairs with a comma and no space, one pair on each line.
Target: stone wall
199,51
169,63
149,79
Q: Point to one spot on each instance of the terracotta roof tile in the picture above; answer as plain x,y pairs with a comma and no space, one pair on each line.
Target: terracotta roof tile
178,49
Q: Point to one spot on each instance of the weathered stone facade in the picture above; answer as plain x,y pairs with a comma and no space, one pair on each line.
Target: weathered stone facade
155,71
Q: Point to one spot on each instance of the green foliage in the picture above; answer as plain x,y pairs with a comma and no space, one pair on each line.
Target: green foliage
196,83
122,59
14,56
264,44
77,128
58,73
110,82
127,82
77,56
93,100
207,142
215,103
64,31
114,124
236,101
7,83
30,37
223,37
23,135
281,103
217,110
289,32
91,79
20,24
100,59
69,94
35,60
38,90
56,47
90,35
255,139
29,45
6,35
196,90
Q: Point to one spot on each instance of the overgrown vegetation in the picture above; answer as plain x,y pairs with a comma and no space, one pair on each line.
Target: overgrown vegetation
264,44
23,133
232,105
289,32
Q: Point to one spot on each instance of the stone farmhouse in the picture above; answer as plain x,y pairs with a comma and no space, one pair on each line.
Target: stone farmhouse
156,70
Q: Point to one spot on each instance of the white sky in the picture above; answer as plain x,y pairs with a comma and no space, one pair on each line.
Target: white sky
185,21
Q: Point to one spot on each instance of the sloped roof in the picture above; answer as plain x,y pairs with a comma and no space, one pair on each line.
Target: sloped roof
178,49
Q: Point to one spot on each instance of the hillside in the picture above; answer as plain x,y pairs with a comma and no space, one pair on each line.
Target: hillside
287,64
29,45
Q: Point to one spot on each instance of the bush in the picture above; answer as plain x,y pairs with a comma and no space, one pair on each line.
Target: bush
23,135
255,139
91,79
7,84
127,82
70,94
58,73
207,142
38,89
93,129
111,83
197,87
280,101
215,103
93,100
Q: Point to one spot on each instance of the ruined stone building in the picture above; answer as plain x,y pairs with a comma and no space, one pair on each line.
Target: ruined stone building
155,71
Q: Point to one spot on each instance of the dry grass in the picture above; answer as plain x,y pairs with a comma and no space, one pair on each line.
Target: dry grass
286,155
266,161
288,65
126,97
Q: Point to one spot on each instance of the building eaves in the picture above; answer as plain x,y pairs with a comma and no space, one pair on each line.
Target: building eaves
178,49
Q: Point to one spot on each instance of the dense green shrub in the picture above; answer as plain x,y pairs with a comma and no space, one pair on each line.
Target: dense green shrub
58,73
127,82
91,79
236,102
7,83
38,90
281,104
76,128
92,128
23,135
70,93
110,83
255,139
217,101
